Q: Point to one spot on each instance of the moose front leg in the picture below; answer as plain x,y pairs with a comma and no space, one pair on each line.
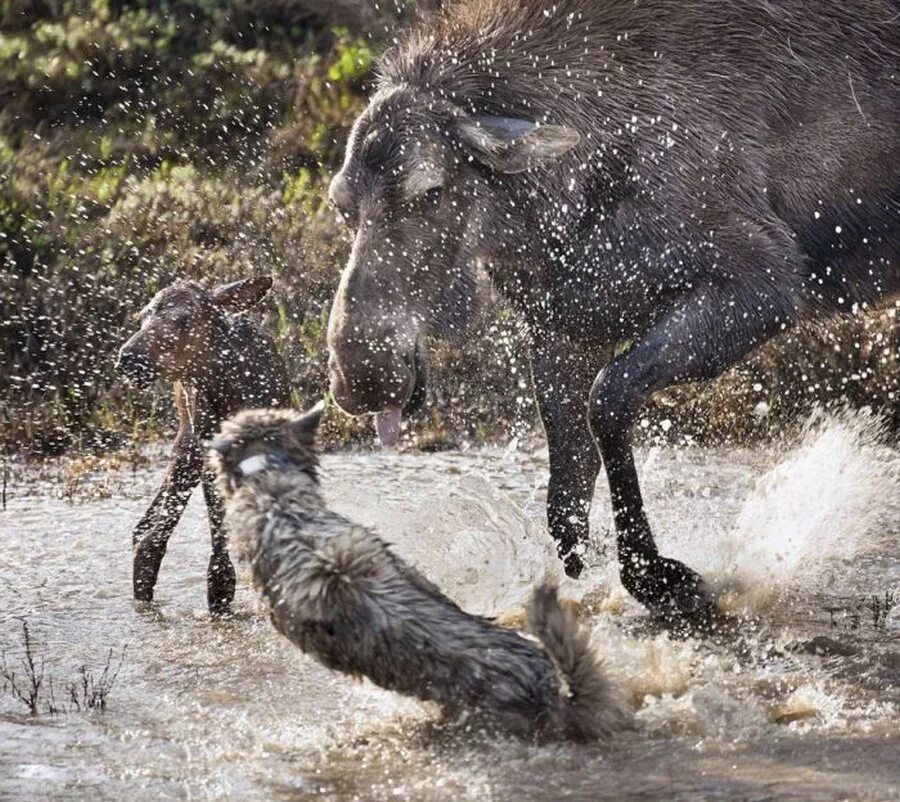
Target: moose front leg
220,577
697,339
562,373
151,535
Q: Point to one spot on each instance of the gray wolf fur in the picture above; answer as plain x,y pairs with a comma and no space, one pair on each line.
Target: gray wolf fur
337,591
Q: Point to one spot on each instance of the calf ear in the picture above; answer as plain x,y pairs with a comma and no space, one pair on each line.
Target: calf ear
513,145
239,296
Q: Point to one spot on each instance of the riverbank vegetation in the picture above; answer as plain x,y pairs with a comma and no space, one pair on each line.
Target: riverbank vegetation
142,142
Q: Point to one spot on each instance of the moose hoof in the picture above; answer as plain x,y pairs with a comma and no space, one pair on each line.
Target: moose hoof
672,592
221,608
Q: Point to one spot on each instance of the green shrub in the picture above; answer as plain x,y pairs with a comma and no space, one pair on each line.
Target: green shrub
145,141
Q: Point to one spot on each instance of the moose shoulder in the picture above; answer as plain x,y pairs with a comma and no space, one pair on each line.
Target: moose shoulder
694,176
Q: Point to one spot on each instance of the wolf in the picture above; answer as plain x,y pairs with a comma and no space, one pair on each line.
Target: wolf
336,590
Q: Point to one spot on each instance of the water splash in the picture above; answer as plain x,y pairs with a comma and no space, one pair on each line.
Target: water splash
827,501
230,709
496,554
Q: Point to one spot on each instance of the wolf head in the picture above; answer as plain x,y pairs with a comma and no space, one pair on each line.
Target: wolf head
257,440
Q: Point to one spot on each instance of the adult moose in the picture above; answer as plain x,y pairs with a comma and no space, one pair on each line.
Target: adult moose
691,175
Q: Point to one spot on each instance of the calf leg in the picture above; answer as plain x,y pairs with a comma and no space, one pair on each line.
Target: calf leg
697,339
220,578
562,375
151,535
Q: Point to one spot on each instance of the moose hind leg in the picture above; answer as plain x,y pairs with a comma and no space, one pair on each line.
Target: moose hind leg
697,339
151,536
220,576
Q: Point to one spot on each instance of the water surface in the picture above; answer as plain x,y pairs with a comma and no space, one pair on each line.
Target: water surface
802,704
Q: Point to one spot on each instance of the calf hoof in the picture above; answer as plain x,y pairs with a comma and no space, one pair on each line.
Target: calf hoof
674,593
220,584
573,564
219,608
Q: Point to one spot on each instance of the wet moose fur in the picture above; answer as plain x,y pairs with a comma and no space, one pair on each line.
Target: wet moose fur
219,362
690,177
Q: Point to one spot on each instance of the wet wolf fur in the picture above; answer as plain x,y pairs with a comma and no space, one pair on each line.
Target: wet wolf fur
705,175
337,591
219,363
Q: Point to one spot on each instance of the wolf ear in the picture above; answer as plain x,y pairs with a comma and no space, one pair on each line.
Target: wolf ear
513,145
239,296
221,444
307,424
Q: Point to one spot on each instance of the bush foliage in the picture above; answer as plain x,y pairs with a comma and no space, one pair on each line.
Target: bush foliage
145,141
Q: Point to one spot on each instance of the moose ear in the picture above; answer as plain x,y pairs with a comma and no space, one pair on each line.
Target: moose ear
513,145
239,296
307,424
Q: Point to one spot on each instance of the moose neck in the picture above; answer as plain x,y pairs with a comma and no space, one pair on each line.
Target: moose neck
220,380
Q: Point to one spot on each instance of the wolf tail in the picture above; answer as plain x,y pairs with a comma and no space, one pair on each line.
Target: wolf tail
591,709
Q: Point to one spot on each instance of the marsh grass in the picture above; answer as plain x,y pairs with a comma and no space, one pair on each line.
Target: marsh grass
4,478
880,608
27,685
873,608
27,681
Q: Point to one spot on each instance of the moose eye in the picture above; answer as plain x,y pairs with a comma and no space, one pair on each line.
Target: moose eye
433,196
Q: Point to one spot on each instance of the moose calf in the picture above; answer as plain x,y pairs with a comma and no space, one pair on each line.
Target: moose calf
219,363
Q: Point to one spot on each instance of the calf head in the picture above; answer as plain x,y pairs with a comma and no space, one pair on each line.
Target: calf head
184,330
423,188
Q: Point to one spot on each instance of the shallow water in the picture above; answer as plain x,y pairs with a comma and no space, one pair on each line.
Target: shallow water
800,538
